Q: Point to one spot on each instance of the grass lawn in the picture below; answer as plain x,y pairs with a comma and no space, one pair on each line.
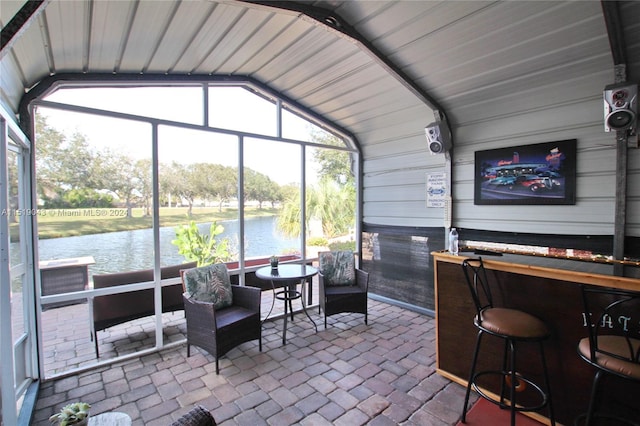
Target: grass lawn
58,223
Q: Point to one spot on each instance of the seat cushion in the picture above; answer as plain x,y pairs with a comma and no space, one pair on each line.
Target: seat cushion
513,323
616,345
337,267
210,284
343,290
232,315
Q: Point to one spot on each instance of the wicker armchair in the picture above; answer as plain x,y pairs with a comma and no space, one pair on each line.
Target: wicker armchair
197,416
217,325
341,286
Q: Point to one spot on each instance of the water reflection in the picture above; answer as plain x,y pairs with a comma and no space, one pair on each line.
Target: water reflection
131,250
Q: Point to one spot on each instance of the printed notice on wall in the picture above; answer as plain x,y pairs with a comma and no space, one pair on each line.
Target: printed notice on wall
436,189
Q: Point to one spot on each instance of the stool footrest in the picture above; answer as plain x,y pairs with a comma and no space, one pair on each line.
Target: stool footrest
506,379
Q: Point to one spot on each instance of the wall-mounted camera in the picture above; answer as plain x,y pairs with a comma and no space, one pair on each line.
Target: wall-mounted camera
438,138
621,108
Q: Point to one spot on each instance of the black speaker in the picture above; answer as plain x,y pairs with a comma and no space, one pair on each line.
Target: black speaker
621,107
438,137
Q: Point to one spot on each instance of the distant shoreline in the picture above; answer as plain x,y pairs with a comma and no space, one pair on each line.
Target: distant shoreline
61,223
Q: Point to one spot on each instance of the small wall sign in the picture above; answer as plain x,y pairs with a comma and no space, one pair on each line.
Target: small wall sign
436,189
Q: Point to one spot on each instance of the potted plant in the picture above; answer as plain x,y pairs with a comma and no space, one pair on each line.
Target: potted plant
76,413
273,260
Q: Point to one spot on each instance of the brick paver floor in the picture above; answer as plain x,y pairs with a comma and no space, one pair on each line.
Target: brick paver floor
350,374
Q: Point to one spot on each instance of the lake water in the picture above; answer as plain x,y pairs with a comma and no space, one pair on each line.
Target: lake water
131,250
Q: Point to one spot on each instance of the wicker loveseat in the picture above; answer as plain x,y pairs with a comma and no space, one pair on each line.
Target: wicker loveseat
114,309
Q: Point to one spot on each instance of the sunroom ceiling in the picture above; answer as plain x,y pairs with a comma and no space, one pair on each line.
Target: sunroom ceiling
457,51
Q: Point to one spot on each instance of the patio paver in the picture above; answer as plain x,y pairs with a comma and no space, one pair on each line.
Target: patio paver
350,374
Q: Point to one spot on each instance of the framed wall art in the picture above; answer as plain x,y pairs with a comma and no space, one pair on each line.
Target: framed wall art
543,173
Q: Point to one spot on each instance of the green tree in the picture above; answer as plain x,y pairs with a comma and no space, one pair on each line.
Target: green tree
78,161
288,221
334,164
116,172
259,187
215,182
144,184
48,146
79,198
180,181
332,201
333,205
168,178
62,164
227,185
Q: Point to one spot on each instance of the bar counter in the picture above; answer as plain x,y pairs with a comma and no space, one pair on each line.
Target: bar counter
548,288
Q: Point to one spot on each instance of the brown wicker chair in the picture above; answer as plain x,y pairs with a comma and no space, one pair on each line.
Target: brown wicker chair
341,286
218,330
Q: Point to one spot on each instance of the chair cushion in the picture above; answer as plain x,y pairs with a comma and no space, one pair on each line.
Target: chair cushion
616,345
338,267
232,315
210,284
513,323
343,290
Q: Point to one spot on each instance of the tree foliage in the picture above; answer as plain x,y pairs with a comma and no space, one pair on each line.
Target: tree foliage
81,198
331,201
334,164
115,172
260,187
331,204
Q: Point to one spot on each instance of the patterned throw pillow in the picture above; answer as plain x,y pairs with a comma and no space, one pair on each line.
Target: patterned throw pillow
338,267
210,284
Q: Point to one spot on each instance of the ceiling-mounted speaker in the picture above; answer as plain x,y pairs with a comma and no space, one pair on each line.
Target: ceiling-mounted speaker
621,107
438,137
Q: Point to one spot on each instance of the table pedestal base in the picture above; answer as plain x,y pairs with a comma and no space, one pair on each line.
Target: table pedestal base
288,296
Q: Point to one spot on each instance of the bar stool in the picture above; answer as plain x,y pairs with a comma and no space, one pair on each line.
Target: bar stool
609,346
514,326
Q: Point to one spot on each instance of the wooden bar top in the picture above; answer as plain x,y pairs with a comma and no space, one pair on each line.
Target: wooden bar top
575,271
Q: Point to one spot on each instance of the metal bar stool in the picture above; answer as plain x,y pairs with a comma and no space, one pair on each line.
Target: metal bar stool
514,326
612,345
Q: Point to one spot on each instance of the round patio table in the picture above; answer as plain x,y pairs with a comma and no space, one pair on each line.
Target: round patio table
289,275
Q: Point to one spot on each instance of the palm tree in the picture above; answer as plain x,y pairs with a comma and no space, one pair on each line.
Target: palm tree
332,204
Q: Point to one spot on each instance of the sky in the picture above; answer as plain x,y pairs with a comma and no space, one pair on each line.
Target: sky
230,107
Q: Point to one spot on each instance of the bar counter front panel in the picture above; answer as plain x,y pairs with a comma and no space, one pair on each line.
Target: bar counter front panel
536,286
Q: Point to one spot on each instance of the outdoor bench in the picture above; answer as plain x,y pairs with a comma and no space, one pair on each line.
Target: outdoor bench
114,309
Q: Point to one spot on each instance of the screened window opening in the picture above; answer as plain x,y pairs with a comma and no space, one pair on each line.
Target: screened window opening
136,183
